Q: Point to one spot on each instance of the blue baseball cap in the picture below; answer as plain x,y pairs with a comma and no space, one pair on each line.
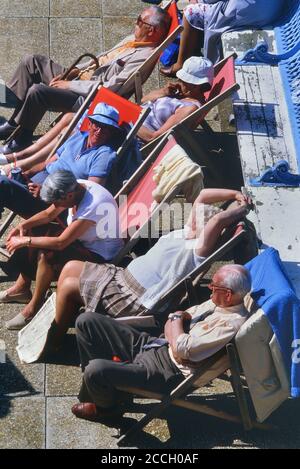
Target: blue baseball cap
105,114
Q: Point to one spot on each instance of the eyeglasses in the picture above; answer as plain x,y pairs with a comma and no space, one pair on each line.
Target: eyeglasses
213,286
140,22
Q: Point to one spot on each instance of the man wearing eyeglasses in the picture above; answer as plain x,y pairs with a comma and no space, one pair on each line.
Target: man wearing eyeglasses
36,85
115,355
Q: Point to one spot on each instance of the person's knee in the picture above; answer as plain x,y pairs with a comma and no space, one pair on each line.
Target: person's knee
42,257
83,321
5,188
90,320
36,89
29,59
97,371
70,269
69,288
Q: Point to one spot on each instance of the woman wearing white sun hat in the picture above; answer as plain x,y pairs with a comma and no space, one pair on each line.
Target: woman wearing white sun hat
175,101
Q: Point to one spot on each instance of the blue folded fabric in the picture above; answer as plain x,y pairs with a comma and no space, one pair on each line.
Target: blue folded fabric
278,175
274,293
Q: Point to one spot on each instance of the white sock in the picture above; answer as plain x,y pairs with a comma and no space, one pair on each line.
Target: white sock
3,159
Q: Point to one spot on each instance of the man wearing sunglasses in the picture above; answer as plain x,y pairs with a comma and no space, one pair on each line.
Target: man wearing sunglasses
36,85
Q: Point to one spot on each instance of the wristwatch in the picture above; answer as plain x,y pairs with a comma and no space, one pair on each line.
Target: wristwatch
174,316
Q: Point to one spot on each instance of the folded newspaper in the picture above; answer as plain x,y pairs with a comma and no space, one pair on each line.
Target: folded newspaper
32,338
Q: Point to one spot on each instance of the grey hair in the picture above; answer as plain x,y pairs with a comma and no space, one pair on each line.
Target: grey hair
237,278
57,185
160,18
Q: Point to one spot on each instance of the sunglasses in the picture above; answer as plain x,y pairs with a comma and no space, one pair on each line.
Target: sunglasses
213,286
98,125
140,22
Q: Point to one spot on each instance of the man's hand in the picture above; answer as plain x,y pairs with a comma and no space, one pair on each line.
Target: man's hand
183,317
34,189
57,78
61,84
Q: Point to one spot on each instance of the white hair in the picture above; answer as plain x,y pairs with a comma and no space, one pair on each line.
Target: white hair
160,18
236,277
57,185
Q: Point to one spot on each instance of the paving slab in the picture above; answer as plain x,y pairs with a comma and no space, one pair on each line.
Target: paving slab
78,9
71,37
32,8
20,36
65,431
116,28
123,8
17,378
22,423
62,380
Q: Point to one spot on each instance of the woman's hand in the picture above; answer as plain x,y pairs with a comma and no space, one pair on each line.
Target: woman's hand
243,199
173,89
18,231
17,242
34,189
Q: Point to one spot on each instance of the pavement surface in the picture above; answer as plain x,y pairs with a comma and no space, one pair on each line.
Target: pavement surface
35,400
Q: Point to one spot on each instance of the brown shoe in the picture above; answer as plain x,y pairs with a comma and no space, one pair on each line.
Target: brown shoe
89,411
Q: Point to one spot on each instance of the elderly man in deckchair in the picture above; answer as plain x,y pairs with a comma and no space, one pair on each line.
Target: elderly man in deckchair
113,354
36,85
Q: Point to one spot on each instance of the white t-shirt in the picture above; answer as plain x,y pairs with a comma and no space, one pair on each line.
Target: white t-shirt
99,206
148,269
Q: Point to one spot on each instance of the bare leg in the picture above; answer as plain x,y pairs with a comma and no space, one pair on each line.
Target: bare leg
22,285
68,299
43,141
44,277
190,39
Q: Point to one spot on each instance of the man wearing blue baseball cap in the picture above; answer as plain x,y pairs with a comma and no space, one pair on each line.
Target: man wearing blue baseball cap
88,155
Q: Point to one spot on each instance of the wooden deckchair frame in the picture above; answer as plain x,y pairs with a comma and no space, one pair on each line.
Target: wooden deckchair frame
131,183
191,121
179,397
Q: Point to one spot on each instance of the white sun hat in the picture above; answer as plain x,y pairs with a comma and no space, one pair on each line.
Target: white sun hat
196,70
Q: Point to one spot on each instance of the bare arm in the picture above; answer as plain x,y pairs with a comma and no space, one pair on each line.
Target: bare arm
211,196
42,218
174,328
147,135
36,168
214,227
68,236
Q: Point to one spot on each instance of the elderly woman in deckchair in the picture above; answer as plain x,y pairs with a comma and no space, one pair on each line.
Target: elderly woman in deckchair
176,101
41,249
117,292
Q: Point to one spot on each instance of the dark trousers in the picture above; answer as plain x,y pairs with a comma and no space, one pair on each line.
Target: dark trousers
30,85
99,340
16,197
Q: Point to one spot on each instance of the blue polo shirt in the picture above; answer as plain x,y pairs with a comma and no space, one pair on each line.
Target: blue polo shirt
83,163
